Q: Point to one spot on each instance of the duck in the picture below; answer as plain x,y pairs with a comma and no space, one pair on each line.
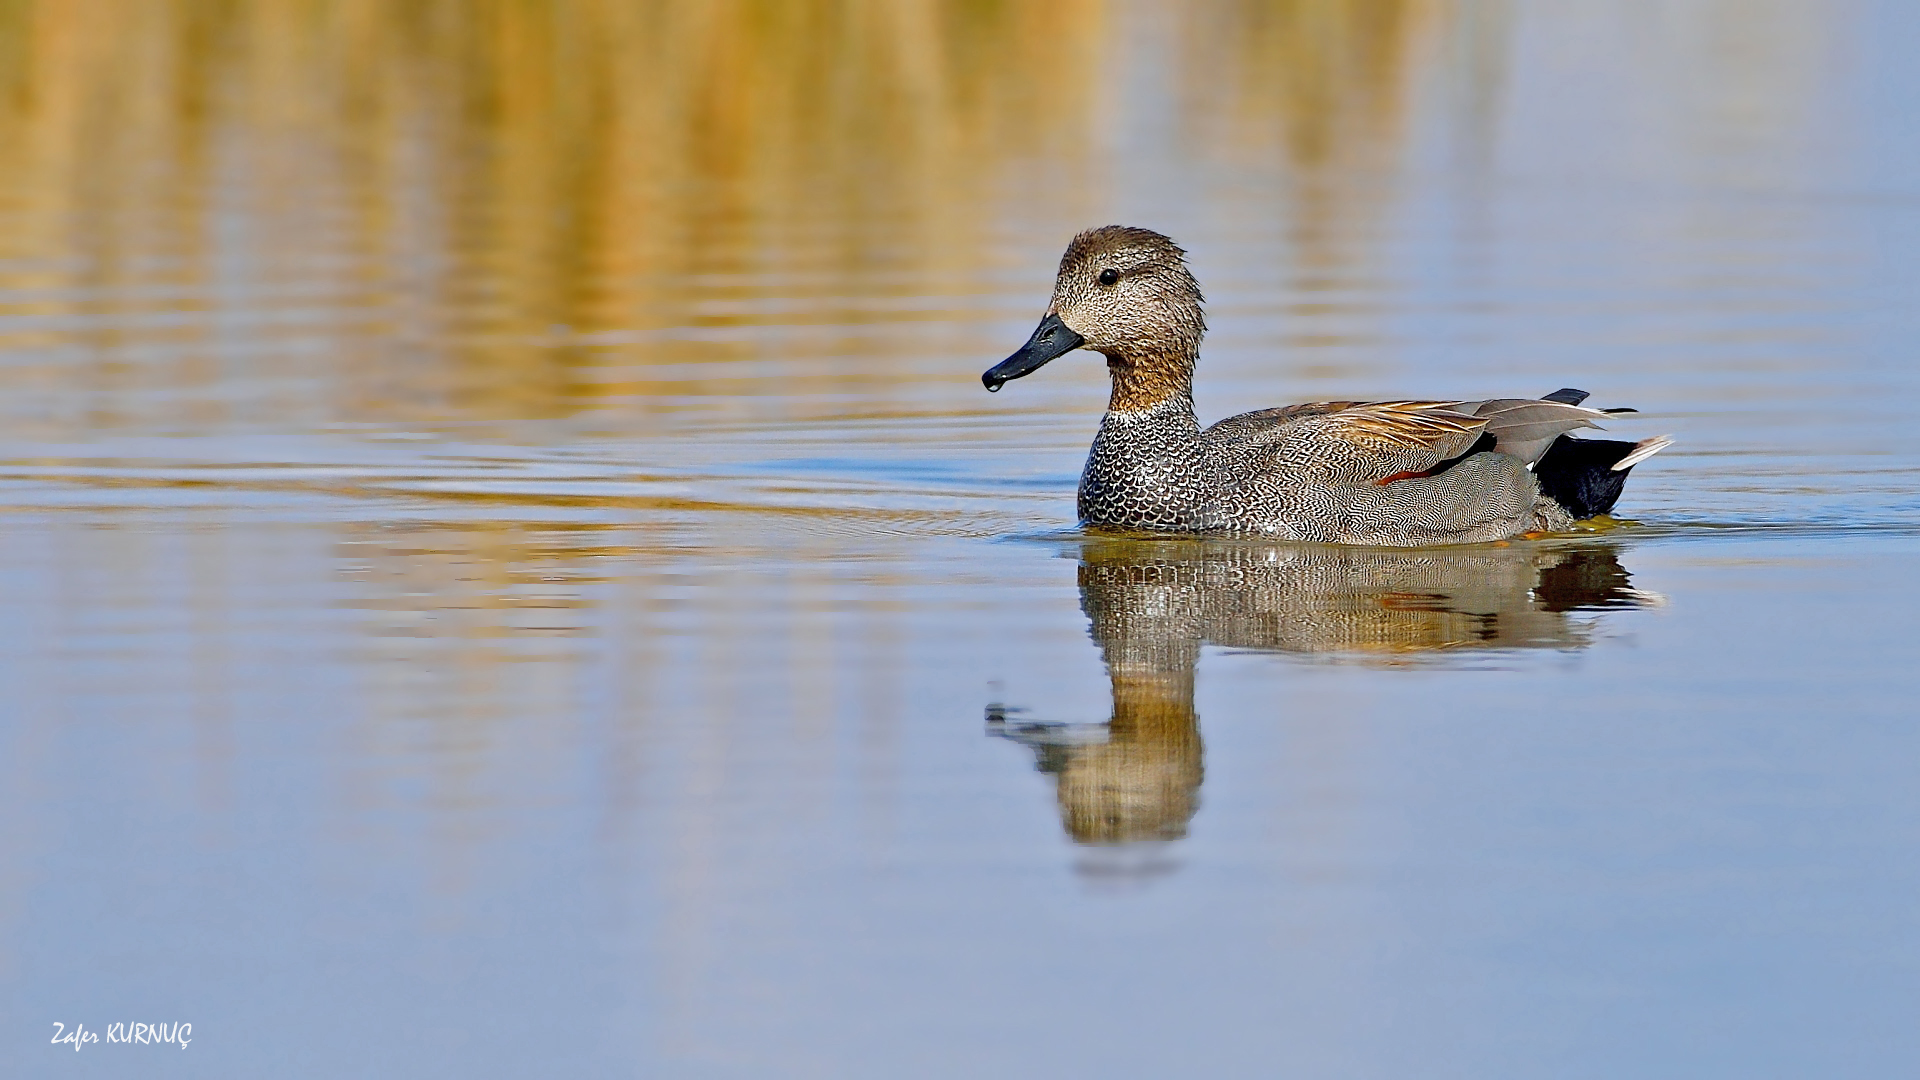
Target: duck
1380,473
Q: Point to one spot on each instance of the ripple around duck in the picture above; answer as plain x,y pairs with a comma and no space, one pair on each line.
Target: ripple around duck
841,496
995,492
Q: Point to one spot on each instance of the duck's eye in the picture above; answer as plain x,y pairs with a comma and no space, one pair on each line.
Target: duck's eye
1109,276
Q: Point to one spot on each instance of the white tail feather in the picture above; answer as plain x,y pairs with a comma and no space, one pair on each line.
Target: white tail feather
1643,450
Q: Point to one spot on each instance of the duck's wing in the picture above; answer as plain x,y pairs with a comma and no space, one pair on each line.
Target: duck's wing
1374,441
1261,425
1382,440
1527,427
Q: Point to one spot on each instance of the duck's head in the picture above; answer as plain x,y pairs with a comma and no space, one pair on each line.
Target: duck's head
1124,292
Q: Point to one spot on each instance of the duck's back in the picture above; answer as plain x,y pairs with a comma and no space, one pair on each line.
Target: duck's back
1391,473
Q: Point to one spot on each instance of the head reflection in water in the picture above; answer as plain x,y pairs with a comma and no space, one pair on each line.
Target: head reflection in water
1152,604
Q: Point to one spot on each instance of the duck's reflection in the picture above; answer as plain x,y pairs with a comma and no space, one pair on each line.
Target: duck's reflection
1152,604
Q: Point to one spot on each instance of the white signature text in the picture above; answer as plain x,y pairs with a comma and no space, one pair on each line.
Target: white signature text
159,1034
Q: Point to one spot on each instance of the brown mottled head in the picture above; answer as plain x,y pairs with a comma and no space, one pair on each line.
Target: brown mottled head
1127,293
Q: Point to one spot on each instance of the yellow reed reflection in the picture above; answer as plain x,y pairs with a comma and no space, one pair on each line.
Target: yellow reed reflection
1151,605
300,212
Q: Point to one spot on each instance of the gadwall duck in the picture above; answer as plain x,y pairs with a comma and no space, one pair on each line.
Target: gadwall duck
1395,473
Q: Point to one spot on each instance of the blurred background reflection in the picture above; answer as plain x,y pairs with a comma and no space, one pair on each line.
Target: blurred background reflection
228,215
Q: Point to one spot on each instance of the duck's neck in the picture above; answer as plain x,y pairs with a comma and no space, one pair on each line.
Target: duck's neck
1146,469
1143,384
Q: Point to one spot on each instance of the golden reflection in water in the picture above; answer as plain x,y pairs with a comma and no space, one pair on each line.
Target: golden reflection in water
480,631
489,209
1322,88
480,642
1151,605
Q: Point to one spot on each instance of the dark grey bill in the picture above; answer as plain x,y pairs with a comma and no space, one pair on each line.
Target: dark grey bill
1050,340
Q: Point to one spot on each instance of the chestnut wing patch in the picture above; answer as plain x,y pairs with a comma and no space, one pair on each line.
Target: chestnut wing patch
1381,442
